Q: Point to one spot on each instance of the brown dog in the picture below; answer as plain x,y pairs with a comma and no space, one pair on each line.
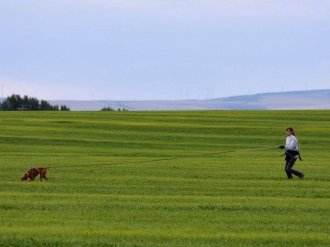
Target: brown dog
34,172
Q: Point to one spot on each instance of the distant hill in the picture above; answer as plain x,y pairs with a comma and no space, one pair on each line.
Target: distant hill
311,99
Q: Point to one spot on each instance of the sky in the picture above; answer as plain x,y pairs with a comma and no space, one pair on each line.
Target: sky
162,49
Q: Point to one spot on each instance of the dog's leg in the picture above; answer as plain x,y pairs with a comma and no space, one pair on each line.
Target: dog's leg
43,174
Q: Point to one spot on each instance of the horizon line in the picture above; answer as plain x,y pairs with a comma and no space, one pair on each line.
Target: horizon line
192,99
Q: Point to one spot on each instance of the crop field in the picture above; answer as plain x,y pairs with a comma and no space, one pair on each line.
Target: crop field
108,196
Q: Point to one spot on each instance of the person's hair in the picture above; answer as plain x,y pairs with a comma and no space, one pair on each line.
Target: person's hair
291,130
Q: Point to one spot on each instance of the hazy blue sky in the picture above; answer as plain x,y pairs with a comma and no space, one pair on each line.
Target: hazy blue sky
162,49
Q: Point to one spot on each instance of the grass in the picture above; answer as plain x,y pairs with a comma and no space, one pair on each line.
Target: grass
234,199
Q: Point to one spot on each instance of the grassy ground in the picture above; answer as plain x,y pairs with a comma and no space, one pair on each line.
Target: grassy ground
234,199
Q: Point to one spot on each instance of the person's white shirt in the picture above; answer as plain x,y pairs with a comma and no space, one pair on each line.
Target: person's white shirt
291,143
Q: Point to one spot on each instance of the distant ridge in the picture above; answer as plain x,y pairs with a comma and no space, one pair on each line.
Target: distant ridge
309,99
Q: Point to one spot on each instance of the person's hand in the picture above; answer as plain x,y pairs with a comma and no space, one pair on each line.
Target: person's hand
281,147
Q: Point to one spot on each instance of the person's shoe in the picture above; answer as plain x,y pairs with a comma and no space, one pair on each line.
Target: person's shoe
302,176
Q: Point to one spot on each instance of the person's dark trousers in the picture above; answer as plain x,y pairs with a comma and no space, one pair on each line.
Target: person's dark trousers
290,159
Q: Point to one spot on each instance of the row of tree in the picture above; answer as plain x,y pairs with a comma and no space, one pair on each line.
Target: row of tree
109,108
17,103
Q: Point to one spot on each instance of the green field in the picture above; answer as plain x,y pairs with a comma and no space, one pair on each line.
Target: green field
234,199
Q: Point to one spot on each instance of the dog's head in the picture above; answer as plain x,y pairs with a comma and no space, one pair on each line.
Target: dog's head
25,176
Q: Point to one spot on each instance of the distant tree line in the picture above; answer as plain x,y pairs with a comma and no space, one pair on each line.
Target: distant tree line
109,108
17,103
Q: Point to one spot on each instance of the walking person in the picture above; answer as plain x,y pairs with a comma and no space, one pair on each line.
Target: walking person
291,153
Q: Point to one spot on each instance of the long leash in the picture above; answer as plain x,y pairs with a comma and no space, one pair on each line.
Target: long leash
164,159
